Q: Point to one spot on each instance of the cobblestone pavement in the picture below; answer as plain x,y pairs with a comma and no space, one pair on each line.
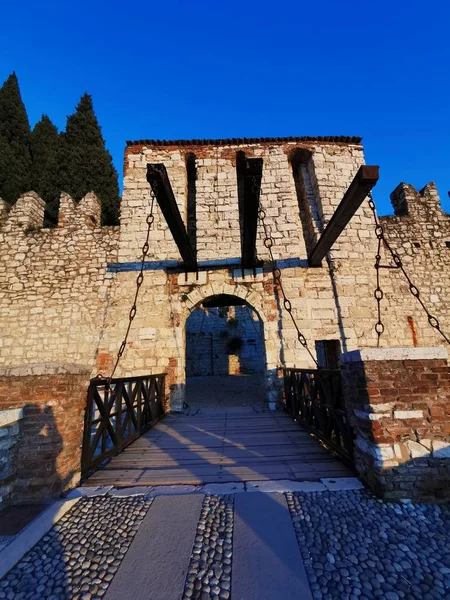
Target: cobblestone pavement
209,573
354,547
80,555
358,548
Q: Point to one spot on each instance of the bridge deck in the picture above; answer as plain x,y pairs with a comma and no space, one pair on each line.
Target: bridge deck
218,446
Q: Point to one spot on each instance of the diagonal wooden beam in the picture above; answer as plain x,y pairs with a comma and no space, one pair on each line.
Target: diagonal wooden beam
252,174
160,184
365,179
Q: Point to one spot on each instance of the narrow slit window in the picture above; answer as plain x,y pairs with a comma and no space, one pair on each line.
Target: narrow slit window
191,171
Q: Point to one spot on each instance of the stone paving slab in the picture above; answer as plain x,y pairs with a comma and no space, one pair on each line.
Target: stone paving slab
155,566
267,564
285,486
340,484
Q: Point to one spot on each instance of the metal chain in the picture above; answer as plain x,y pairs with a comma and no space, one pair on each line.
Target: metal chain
398,264
268,243
139,281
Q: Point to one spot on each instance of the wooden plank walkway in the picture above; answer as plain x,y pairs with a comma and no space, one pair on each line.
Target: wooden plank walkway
218,446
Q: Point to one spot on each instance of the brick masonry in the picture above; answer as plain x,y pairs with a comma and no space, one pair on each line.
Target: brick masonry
398,402
44,446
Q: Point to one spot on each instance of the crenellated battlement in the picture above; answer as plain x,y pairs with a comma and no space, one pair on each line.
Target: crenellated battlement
418,217
27,213
407,201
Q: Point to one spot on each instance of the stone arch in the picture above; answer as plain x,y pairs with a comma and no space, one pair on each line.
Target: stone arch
193,299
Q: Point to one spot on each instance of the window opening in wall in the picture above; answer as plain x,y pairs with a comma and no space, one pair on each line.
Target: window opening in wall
249,176
416,244
240,173
328,353
447,244
307,207
225,360
191,171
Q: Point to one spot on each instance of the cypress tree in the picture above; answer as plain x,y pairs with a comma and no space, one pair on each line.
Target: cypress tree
14,142
85,162
45,154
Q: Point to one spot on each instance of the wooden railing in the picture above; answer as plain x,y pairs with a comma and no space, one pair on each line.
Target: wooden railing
314,397
117,414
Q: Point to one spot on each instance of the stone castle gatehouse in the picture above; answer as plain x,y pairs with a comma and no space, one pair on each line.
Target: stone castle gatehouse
66,292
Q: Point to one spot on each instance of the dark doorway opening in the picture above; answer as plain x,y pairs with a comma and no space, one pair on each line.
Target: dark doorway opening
225,355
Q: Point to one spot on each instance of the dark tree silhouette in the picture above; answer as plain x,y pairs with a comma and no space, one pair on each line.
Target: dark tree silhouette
45,152
85,162
15,158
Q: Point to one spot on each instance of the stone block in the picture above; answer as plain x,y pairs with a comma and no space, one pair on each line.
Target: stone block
416,450
147,333
10,416
441,449
408,414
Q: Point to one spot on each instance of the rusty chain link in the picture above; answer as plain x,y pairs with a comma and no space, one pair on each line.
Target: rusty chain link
139,281
276,272
398,264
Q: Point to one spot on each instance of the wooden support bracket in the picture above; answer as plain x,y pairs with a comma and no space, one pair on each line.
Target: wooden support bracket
160,184
366,177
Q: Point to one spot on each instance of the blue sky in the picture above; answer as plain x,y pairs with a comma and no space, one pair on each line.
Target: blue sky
232,69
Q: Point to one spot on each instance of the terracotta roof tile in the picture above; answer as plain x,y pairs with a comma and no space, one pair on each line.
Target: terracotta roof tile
336,139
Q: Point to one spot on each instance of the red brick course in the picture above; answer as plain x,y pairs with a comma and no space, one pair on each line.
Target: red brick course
395,452
48,453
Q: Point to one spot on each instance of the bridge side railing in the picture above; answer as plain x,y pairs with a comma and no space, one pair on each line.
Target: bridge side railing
314,398
118,413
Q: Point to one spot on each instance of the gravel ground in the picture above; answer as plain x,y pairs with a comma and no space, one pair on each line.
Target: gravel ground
209,572
78,558
358,547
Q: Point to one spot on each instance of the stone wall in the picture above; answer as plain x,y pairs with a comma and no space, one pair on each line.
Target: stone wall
65,293
398,402
46,449
157,340
53,281
420,234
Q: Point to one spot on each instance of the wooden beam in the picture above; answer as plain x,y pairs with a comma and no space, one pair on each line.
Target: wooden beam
365,179
252,173
160,184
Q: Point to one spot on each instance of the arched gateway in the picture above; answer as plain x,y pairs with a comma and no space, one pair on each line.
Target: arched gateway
225,354
253,220
250,318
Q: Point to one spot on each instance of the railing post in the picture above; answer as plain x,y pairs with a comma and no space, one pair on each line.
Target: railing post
110,408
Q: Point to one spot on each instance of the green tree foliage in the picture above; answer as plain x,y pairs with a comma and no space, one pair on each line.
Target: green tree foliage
45,152
15,158
85,162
